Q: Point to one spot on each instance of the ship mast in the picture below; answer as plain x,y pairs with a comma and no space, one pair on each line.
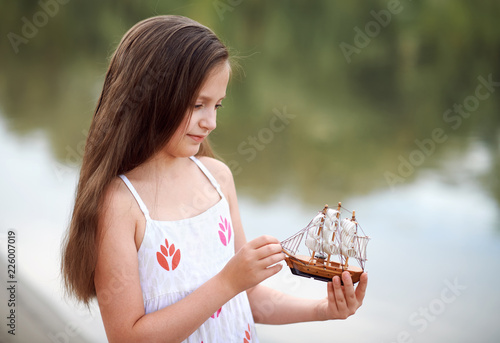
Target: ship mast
320,229
354,221
339,206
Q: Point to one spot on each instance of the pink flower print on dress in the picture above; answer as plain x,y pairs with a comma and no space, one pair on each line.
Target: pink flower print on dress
168,254
225,231
216,313
247,338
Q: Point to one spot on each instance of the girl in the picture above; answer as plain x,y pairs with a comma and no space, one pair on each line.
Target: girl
155,233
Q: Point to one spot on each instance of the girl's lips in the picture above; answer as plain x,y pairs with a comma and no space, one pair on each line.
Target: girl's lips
197,139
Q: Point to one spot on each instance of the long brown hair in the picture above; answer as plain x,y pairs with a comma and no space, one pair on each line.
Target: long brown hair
153,79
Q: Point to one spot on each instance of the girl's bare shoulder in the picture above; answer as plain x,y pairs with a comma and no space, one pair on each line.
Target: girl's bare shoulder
117,194
219,170
119,205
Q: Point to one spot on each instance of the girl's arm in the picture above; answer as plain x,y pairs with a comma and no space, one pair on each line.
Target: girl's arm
273,307
118,287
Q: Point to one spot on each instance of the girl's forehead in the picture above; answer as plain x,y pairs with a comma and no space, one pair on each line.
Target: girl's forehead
215,83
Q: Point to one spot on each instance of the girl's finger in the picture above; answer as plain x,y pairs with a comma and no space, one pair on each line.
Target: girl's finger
331,297
270,271
273,259
352,301
339,295
268,250
361,289
262,241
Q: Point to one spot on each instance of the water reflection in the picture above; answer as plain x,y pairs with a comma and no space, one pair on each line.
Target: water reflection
426,235
353,123
401,133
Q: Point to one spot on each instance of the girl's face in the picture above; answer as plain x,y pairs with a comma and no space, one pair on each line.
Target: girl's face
193,130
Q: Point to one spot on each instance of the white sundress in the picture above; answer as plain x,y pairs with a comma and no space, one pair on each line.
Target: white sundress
177,257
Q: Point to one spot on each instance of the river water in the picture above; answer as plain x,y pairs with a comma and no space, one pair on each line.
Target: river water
433,257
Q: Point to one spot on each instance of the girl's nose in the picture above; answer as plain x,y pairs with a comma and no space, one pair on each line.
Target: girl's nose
209,121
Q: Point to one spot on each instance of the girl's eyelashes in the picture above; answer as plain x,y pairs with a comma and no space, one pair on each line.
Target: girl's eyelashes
198,106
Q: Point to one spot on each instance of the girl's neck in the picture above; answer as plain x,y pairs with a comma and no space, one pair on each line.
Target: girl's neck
161,164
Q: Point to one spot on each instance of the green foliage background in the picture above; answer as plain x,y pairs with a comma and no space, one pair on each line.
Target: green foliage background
353,120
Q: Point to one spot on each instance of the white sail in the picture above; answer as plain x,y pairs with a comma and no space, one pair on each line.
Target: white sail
361,243
331,217
327,233
348,226
317,220
313,240
327,240
330,248
331,220
348,251
329,229
347,233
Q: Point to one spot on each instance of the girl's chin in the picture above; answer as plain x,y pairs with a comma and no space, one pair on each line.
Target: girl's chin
187,150
191,151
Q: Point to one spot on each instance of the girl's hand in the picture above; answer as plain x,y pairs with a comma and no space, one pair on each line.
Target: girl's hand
343,301
252,264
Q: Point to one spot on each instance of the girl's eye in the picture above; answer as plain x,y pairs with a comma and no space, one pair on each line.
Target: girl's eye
200,106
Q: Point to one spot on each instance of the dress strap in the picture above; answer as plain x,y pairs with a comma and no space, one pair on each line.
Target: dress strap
208,175
141,204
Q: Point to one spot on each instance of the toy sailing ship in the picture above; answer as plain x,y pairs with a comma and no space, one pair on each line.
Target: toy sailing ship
327,237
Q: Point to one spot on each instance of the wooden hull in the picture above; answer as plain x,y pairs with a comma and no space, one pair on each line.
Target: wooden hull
319,269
